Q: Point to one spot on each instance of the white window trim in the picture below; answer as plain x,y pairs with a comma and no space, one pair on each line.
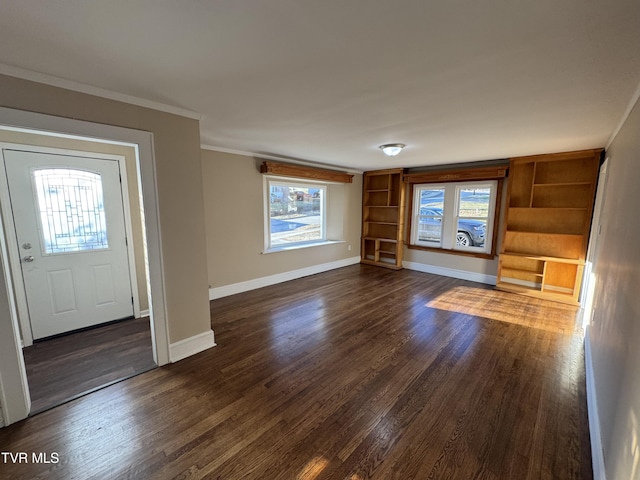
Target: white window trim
450,216
287,181
416,214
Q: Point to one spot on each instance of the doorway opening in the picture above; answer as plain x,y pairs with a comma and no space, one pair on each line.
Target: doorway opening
116,348
74,231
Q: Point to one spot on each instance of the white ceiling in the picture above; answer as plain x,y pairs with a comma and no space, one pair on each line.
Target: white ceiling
329,80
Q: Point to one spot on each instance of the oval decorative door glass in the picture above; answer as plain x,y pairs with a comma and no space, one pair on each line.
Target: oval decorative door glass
71,210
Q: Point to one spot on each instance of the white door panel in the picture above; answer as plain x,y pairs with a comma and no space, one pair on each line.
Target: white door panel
62,292
69,221
103,284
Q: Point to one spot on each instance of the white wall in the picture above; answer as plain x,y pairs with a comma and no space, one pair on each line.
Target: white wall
614,333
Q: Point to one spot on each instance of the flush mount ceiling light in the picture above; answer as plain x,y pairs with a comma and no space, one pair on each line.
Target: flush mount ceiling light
392,149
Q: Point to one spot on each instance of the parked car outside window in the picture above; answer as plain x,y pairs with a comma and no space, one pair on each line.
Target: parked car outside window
471,233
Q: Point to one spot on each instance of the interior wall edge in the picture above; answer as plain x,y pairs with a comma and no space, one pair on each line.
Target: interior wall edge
192,345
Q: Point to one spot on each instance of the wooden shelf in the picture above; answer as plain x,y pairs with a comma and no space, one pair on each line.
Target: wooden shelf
569,221
379,263
575,195
386,240
547,233
507,271
560,184
547,209
544,258
533,292
545,236
557,245
382,218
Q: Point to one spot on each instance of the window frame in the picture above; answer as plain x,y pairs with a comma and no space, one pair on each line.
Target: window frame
450,217
293,182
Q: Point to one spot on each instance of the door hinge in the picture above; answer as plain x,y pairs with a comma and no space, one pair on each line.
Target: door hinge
131,300
126,242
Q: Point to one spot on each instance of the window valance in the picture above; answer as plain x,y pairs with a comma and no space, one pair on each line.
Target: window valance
457,175
302,171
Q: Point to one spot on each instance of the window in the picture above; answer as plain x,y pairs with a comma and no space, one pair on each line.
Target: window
71,209
296,214
454,216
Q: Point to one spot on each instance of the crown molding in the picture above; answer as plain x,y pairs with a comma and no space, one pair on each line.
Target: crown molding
46,79
277,158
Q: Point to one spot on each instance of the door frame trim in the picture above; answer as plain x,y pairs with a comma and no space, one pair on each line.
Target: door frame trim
14,391
12,240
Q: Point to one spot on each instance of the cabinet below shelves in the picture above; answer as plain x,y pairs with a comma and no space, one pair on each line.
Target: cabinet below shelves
562,297
546,277
517,273
380,251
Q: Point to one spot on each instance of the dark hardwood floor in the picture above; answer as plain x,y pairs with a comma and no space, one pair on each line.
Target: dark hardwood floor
358,373
64,368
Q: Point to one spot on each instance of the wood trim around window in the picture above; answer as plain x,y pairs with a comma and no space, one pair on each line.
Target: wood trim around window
457,175
301,171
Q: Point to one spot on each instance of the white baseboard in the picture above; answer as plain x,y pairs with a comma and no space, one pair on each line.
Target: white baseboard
190,346
451,272
226,290
145,313
597,453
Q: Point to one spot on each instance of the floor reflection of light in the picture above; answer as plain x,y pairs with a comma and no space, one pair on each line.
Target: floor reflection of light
526,312
313,468
505,307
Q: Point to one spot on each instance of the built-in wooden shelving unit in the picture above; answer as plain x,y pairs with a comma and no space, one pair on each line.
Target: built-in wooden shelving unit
546,231
383,206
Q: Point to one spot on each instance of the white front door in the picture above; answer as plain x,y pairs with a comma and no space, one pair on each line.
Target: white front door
69,222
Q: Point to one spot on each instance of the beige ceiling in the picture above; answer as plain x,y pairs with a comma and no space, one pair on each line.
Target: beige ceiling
330,80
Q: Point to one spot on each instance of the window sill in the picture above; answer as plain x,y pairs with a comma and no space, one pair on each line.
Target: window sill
286,248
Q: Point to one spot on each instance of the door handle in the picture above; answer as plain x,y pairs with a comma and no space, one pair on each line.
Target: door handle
28,258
